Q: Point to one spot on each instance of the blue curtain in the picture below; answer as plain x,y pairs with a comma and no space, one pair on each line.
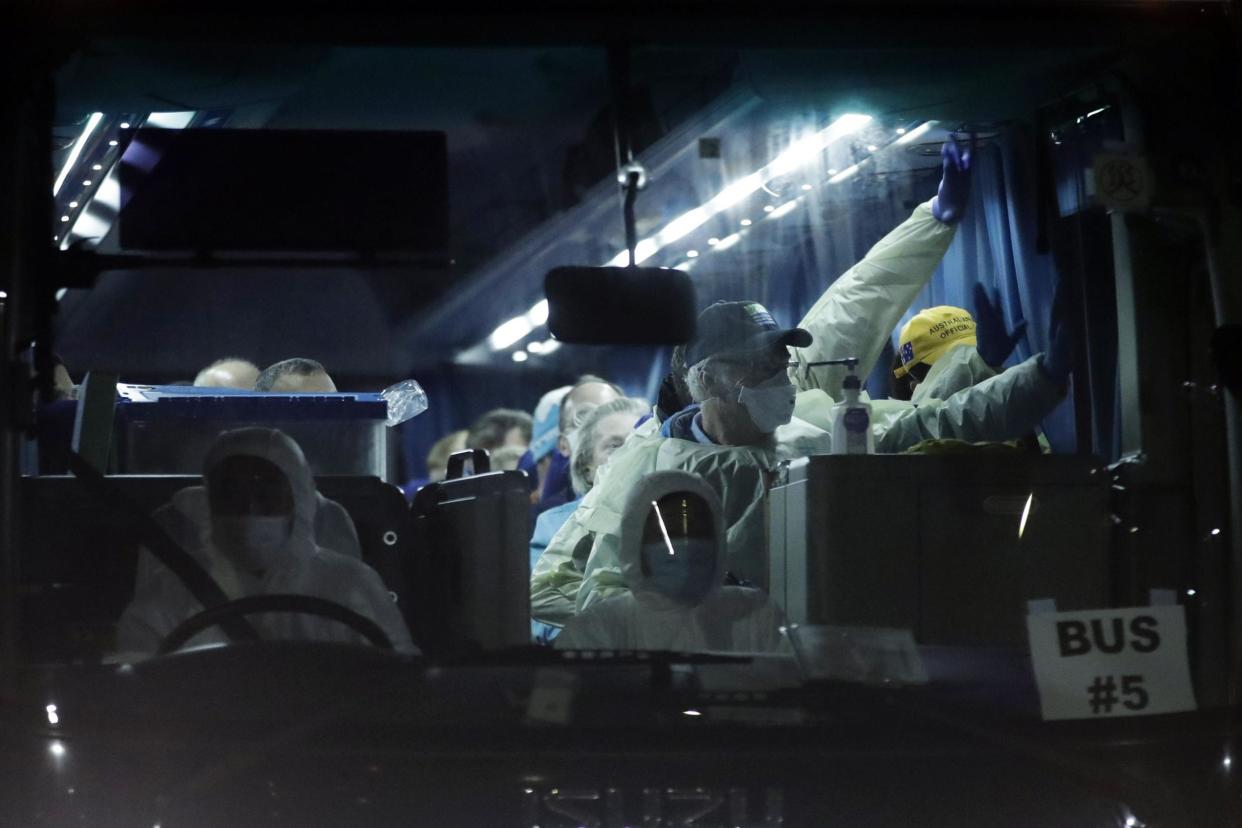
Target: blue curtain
995,247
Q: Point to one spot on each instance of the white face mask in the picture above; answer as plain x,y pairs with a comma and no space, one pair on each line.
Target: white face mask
687,576
770,404
253,543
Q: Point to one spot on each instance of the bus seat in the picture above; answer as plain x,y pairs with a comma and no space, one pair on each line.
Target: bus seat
471,558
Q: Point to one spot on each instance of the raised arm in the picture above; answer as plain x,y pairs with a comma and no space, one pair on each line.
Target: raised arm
858,312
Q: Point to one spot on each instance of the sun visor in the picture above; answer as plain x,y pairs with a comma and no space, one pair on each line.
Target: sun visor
354,193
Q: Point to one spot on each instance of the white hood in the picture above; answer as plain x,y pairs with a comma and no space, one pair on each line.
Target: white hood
650,489
281,451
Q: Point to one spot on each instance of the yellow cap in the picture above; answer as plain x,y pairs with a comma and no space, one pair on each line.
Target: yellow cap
930,333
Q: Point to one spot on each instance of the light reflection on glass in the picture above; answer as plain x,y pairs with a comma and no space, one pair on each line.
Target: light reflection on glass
663,529
1026,513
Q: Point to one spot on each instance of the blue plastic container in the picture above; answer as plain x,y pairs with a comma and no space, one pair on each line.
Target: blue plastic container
169,429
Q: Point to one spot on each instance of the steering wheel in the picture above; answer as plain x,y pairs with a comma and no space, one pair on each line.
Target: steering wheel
254,604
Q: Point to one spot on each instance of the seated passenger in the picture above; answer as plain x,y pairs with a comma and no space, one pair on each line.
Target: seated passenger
587,393
506,458
230,372
257,538
500,427
295,376
538,457
672,558
604,431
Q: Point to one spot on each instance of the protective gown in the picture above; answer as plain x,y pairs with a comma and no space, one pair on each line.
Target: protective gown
727,619
854,317
959,367
302,566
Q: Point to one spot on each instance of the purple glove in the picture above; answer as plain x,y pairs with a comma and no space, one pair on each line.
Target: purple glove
1057,362
950,200
995,343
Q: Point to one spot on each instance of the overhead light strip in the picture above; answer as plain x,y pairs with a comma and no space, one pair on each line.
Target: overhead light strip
797,155
91,124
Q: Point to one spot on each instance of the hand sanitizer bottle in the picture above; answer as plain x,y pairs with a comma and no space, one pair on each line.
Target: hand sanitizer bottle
851,420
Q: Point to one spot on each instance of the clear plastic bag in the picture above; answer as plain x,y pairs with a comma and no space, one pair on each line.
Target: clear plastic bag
406,400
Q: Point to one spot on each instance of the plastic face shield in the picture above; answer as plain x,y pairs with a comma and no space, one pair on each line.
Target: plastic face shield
679,547
242,485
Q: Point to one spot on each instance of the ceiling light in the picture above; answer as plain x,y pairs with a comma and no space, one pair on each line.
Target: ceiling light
713,241
685,223
124,124
729,241
87,183
73,205
534,347
538,313
746,222
91,123
96,167
170,120
734,193
799,153
848,172
510,332
549,345
784,210
872,148
901,130
692,254
806,187
767,208
808,148
520,356
916,133
113,142
64,218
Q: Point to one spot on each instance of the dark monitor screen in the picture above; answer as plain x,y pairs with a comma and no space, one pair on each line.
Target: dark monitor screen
210,190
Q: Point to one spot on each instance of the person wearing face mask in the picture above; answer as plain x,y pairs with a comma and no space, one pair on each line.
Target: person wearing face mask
257,537
602,432
674,567
759,394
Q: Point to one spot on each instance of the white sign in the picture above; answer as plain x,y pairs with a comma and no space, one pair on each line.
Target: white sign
1102,663
1122,181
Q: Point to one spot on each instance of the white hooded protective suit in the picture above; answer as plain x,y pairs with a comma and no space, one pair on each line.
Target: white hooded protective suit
854,317
726,619
300,566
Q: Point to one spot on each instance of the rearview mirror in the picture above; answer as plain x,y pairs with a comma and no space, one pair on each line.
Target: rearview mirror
620,305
